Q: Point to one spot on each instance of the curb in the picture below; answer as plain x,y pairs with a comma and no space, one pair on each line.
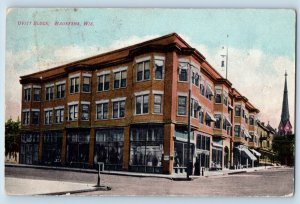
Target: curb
140,175
102,188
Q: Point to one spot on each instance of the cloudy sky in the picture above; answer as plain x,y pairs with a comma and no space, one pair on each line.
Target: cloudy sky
261,45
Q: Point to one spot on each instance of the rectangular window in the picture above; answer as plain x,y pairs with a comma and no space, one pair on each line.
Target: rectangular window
85,112
143,71
60,90
183,74
218,98
49,93
181,105
119,109
243,113
201,117
202,89
157,103
102,111
218,121
224,123
26,117
195,78
237,130
141,104
74,85
73,112
251,120
36,94
120,79
27,94
225,98
194,108
238,110
103,82
86,87
209,92
59,115
158,69
35,117
48,117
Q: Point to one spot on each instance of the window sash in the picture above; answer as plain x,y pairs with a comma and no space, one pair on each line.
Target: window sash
182,105
158,68
102,111
86,84
157,103
143,70
73,112
36,94
142,104
103,82
85,112
27,94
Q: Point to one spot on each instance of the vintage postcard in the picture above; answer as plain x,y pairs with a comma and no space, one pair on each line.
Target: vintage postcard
150,102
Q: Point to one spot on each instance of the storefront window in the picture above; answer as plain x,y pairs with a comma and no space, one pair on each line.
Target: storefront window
146,147
29,148
78,149
52,148
109,148
181,154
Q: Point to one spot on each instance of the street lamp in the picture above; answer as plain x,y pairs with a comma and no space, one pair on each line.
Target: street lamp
189,124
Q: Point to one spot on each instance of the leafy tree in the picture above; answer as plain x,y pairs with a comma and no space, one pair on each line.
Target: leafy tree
284,147
12,139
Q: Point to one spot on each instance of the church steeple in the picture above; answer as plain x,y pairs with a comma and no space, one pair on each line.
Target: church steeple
285,126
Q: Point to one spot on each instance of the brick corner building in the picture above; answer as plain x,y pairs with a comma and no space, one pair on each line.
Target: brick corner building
128,108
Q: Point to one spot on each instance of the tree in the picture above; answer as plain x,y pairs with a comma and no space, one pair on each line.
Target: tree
12,137
284,147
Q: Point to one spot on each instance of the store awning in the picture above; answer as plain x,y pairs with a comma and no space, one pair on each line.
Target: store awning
230,107
228,122
247,152
256,152
209,116
217,145
247,134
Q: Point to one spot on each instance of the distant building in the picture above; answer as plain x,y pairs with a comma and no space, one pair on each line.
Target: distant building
285,126
129,109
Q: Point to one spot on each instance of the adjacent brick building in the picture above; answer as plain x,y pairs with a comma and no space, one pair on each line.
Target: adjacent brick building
129,109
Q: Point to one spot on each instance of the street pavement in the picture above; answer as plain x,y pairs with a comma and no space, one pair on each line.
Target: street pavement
263,182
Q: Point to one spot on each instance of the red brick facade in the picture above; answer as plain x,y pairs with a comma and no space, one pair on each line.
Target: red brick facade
171,50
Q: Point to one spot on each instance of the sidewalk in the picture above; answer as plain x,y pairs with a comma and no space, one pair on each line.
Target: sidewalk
22,186
137,174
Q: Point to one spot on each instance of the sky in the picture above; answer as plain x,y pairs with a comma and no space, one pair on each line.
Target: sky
261,45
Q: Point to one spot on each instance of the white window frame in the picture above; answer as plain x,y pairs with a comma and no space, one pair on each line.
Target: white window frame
73,105
142,103
27,97
118,101
120,71
101,104
47,115
186,105
157,93
60,95
159,58
143,61
26,115
90,84
187,71
61,111
104,75
74,77
88,105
